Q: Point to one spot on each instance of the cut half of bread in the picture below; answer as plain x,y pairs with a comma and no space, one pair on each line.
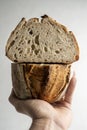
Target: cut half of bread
42,41
40,81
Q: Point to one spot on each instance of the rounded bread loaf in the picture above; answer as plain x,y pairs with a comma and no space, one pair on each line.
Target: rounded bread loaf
40,81
43,51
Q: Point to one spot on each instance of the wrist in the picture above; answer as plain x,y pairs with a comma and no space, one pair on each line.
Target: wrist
44,124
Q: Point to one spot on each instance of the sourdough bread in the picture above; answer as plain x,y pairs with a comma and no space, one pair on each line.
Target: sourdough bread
42,41
40,81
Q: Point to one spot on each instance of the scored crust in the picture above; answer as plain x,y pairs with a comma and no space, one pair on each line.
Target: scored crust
40,81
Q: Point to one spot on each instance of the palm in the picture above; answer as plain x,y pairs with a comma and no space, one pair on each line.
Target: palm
59,112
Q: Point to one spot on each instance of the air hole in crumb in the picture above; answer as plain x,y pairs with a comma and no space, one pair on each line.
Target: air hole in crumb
16,37
33,46
22,43
28,29
15,55
57,42
15,61
20,51
37,39
36,52
31,32
25,38
22,37
61,49
16,32
12,43
45,59
58,30
28,41
47,33
57,51
45,49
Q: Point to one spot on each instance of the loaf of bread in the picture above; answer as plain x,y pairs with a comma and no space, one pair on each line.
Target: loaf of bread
42,41
40,81
43,51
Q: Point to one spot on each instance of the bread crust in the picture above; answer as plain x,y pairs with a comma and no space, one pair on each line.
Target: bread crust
40,81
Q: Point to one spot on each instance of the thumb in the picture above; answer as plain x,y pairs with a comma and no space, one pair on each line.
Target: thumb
70,89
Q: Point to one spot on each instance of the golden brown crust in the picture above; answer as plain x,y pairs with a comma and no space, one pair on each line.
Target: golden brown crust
58,79
45,82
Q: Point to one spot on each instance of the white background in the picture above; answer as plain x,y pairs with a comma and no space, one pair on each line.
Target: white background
73,14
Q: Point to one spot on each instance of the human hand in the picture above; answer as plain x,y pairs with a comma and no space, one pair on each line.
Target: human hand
56,116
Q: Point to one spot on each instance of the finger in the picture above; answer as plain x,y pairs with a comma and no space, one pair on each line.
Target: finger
22,106
70,89
17,103
12,98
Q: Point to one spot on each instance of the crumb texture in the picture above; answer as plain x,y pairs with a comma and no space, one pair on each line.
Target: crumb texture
42,41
